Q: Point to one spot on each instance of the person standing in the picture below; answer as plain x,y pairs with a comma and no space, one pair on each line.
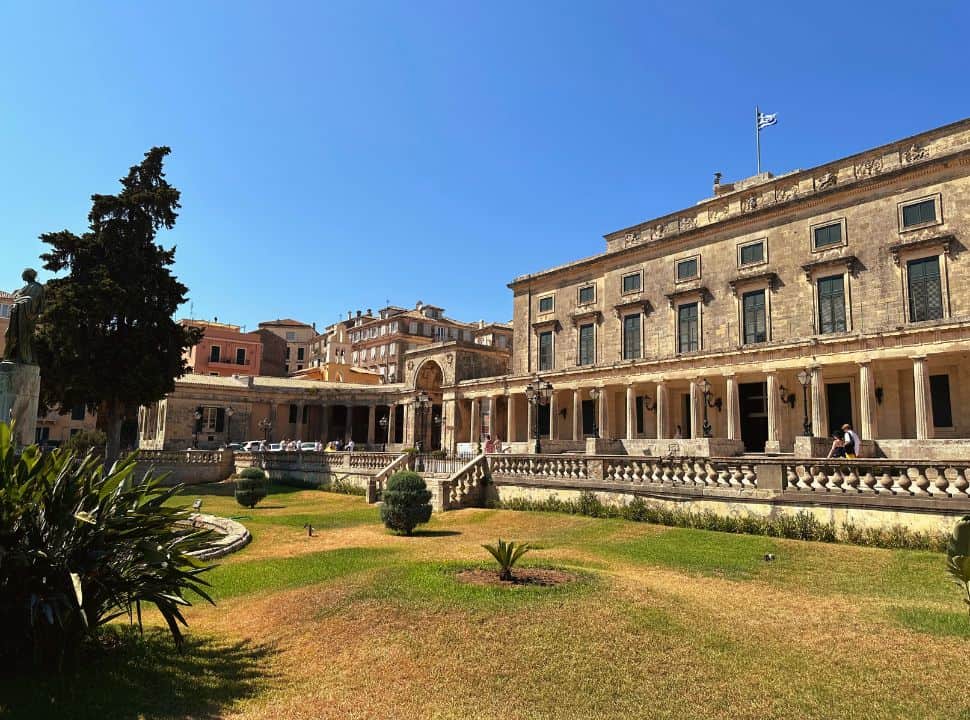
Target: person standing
852,442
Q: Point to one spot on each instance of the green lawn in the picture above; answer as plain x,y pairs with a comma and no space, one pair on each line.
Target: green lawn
660,623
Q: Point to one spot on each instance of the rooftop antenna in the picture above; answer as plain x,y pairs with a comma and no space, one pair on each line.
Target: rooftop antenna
192,310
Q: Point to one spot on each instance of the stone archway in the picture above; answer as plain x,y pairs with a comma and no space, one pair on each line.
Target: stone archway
429,378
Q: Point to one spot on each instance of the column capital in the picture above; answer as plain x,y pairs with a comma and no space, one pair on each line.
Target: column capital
864,363
919,357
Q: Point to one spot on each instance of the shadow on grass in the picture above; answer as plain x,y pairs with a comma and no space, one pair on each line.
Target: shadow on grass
129,677
435,533
228,488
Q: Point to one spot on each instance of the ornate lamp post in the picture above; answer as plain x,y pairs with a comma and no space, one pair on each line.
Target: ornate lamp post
805,378
594,395
705,387
538,393
421,403
198,426
229,413
437,424
266,425
383,423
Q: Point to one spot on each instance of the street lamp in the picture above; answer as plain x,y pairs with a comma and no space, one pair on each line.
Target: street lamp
421,402
229,413
266,425
805,378
594,395
436,420
383,423
705,387
198,426
538,393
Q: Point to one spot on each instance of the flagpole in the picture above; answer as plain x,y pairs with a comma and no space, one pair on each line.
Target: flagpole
757,136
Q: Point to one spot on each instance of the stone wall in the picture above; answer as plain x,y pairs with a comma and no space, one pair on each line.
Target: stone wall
188,467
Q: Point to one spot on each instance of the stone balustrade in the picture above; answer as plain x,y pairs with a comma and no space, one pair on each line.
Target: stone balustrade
720,473
465,488
174,457
376,484
560,467
368,460
940,479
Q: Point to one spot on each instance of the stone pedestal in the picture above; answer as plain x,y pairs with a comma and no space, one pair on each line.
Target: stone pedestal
19,397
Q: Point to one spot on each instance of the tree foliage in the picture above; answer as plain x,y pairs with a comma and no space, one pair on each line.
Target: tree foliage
81,545
406,502
958,556
107,337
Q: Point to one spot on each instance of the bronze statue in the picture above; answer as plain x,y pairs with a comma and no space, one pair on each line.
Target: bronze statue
27,305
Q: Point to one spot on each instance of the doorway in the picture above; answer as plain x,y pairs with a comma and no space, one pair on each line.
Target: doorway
686,416
589,418
839,398
753,398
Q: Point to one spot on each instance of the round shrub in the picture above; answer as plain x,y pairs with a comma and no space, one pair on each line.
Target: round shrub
250,487
406,502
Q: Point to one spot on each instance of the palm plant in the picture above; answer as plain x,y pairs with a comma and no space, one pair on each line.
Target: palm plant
958,556
507,554
81,545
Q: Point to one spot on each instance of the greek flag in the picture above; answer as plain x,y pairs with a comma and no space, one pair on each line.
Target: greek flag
764,120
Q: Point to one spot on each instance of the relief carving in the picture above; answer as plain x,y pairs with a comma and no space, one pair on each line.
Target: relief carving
749,204
868,168
688,223
658,232
631,238
717,213
786,194
826,181
915,152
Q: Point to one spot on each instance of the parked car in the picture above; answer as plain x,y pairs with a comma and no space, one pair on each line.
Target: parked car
254,446
235,447
311,447
275,447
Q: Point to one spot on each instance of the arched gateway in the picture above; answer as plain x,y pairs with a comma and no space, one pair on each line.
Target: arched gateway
426,406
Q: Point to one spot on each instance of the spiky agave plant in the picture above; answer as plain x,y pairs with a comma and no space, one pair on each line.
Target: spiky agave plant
507,554
958,556
81,544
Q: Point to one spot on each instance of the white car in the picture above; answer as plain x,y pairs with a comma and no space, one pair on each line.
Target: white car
254,446
275,447
311,447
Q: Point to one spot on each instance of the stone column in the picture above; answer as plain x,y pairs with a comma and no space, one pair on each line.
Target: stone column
604,413
449,417
696,419
773,444
324,423
371,424
391,422
577,414
663,400
511,430
631,412
493,425
867,415
924,412
733,407
408,424
818,403
530,422
554,416
475,435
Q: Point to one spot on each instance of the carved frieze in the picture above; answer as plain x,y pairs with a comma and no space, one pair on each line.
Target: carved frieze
826,181
868,168
914,153
716,213
632,238
784,194
749,204
687,223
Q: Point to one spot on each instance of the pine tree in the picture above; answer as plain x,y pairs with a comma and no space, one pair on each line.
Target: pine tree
107,337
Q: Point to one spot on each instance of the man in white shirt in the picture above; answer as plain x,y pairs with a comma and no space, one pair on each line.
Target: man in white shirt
853,444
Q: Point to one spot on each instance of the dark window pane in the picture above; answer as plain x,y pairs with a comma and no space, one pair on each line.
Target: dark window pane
919,213
940,396
831,304
925,291
755,326
753,253
545,304
545,351
293,414
214,354
687,335
586,294
586,347
241,356
77,412
631,283
687,269
631,337
828,235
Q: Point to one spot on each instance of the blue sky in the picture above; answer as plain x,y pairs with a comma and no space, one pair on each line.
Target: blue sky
332,155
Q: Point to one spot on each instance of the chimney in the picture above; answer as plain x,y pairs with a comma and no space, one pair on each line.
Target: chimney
481,324
349,314
369,313
314,326
359,313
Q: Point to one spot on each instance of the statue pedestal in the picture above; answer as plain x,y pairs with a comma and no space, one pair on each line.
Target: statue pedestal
19,397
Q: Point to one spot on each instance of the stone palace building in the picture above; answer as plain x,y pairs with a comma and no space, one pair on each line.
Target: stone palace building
756,321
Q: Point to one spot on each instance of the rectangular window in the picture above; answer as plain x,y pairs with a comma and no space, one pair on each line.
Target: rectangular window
214,353
755,326
925,291
752,253
290,336
210,416
831,304
919,213
240,356
4,310
545,350
300,354
631,336
545,304
827,235
940,397
587,349
631,283
287,352
77,412
687,269
687,335
587,294
413,327
306,414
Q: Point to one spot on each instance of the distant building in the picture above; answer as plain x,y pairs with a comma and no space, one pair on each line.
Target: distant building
297,336
339,373
6,303
55,427
224,350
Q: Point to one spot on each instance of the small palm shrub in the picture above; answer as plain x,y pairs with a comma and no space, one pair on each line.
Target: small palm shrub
958,556
81,545
406,502
250,487
507,554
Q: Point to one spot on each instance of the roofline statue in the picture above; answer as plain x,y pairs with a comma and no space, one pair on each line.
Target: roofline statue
28,302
